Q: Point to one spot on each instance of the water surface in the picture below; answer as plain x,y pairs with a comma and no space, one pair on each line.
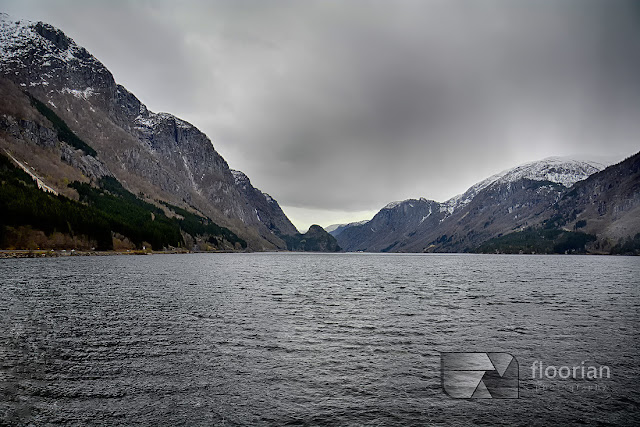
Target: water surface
311,339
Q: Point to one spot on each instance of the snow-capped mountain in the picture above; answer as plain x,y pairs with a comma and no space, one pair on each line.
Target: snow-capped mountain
65,119
565,171
555,169
516,193
36,54
560,170
157,155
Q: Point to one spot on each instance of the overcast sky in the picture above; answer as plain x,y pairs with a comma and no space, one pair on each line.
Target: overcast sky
336,108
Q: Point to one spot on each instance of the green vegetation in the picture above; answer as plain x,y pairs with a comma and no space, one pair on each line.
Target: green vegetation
629,246
314,240
64,133
103,210
554,222
534,184
542,240
23,203
128,215
561,219
196,225
142,222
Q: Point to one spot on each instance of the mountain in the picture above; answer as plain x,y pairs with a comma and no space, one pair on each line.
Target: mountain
526,197
563,171
607,205
316,239
84,163
395,222
266,209
65,119
336,229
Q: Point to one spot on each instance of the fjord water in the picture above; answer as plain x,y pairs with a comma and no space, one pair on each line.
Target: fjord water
314,339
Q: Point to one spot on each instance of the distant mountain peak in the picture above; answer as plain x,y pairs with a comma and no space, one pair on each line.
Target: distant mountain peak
41,46
508,199
555,169
336,229
560,170
408,202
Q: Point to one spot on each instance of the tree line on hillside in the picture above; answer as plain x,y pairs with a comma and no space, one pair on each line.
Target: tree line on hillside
103,210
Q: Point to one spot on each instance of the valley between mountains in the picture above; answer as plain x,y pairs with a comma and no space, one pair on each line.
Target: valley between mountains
85,165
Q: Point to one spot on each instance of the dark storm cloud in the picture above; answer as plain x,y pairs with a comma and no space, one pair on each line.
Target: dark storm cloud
349,105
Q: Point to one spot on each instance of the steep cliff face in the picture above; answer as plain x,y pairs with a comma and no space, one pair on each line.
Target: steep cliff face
391,227
607,204
265,208
154,154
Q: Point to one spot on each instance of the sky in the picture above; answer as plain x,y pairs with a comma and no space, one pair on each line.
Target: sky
336,108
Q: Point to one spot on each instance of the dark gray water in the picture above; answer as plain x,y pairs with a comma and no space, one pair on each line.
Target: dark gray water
335,339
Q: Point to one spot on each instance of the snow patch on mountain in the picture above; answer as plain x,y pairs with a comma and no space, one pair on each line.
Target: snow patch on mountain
555,169
408,202
239,177
561,170
267,197
14,35
427,215
82,94
47,48
148,119
393,204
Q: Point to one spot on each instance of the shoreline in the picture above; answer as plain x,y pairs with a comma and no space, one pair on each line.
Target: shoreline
42,253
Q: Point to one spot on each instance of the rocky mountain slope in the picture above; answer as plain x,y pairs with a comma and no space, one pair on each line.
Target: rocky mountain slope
607,205
97,128
515,200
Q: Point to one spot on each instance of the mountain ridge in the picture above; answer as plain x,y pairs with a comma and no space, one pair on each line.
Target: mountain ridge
66,121
511,200
155,154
